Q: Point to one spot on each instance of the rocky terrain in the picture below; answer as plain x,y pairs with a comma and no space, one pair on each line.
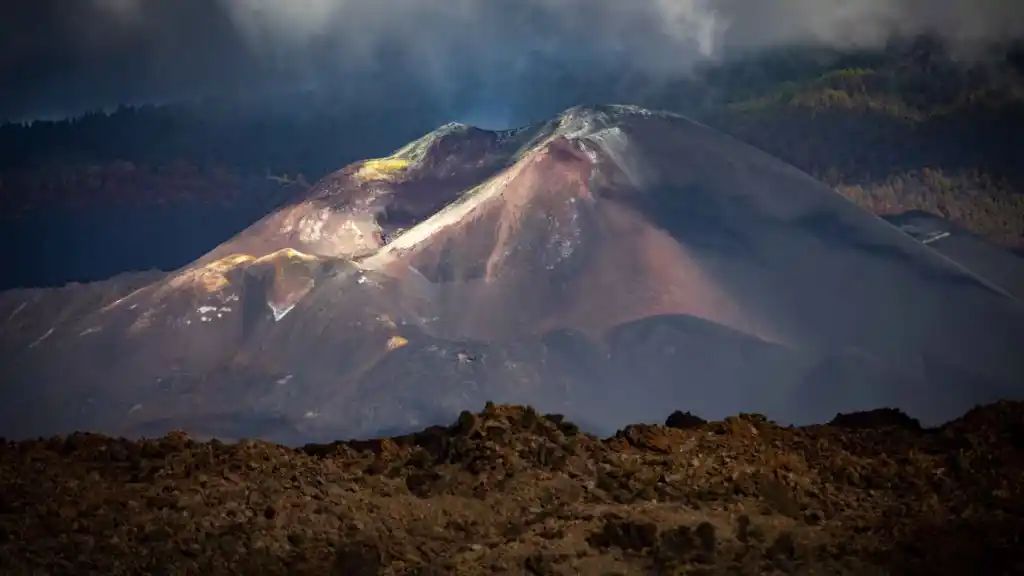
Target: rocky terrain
510,491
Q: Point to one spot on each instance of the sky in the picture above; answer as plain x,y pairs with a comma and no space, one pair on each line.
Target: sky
489,62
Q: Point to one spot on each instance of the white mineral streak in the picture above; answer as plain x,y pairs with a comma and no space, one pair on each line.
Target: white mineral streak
280,311
41,338
16,310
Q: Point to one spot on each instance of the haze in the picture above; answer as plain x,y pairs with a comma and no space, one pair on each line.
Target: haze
497,63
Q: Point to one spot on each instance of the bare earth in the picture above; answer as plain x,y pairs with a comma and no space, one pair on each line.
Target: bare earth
509,491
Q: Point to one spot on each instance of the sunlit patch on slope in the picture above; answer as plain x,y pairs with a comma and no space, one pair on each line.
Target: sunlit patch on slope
211,277
330,231
311,226
285,256
200,295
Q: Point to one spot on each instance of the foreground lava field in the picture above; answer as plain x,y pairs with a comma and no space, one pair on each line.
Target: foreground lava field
512,491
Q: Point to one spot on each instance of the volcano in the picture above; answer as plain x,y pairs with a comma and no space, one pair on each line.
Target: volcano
611,264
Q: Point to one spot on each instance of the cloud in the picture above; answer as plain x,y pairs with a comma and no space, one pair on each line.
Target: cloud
294,19
498,58
963,23
707,25
126,10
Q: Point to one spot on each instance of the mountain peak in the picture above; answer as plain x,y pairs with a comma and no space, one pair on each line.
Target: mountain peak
604,264
584,119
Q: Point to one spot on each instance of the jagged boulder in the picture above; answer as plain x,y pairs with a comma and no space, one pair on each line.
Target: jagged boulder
684,420
880,418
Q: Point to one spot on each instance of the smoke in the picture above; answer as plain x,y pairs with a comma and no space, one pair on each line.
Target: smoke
502,59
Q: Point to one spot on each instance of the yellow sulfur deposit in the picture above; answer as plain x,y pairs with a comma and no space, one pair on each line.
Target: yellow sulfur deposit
396,342
382,168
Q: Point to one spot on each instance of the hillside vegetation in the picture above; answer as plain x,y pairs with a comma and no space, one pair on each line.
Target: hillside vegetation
910,128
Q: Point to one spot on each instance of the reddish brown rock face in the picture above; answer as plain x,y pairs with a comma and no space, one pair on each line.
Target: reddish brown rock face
604,265
551,238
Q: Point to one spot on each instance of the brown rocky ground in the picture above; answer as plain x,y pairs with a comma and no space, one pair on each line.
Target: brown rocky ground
512,491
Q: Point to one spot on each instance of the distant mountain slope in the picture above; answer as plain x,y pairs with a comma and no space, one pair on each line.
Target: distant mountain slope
603,264
190,174
1001,267
902,128
84,223
908,128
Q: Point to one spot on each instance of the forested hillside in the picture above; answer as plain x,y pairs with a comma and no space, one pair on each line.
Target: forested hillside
911,128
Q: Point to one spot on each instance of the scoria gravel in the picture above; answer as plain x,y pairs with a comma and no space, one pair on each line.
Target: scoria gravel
510,491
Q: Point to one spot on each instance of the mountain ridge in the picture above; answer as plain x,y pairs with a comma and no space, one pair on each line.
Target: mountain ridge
562,265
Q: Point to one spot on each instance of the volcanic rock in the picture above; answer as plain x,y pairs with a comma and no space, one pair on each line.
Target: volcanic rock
255,507
880,418
683,420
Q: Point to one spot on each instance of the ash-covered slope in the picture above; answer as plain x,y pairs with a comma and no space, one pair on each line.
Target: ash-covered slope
604,264
989,261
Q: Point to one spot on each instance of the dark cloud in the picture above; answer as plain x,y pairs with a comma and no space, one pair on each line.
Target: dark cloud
491,61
